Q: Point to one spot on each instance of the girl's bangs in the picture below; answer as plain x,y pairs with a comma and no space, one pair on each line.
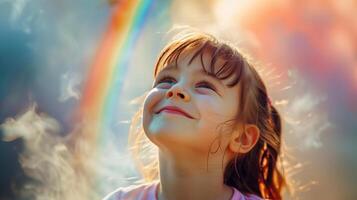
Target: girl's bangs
224,61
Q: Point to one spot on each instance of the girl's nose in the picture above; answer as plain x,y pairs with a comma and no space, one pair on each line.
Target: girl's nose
178,92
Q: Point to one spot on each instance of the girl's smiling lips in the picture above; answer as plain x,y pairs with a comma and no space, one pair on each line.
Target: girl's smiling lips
174,110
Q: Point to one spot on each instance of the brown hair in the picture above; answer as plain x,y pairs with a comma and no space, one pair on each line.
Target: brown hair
255,172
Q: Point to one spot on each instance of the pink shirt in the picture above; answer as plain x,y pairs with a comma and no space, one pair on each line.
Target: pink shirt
148,192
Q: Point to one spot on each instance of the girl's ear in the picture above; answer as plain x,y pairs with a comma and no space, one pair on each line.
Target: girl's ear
242,141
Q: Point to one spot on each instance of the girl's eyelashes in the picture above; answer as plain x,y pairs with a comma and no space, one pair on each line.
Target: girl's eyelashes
205,84
164,80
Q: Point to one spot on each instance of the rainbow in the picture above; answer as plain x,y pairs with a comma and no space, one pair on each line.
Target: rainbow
105,77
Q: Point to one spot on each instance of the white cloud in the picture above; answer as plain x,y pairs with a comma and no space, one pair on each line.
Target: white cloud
69,87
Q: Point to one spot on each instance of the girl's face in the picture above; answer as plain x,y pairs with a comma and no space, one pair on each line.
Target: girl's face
204,103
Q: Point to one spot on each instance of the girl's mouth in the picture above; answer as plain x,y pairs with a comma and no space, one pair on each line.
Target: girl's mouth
174,110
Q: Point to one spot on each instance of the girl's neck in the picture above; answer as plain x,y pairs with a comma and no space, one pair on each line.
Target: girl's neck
192,179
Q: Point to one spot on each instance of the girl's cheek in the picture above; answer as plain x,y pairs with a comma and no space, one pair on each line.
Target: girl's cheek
150,103
210,106
152,99
207,99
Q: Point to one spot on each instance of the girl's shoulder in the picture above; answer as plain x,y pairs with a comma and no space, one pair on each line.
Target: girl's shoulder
237,195
145,191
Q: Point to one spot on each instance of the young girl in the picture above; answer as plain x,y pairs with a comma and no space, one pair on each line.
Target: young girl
217,133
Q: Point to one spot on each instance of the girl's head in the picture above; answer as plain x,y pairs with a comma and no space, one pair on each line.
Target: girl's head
220,97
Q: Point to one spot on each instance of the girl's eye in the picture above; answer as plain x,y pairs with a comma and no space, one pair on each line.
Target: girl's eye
170,80
165,80
207,85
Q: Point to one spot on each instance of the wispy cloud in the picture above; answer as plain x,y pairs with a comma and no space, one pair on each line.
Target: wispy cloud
69,87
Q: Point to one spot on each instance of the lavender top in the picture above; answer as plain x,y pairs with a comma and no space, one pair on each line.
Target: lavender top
148,191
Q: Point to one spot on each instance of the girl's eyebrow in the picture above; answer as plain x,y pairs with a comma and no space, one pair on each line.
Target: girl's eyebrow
172,67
